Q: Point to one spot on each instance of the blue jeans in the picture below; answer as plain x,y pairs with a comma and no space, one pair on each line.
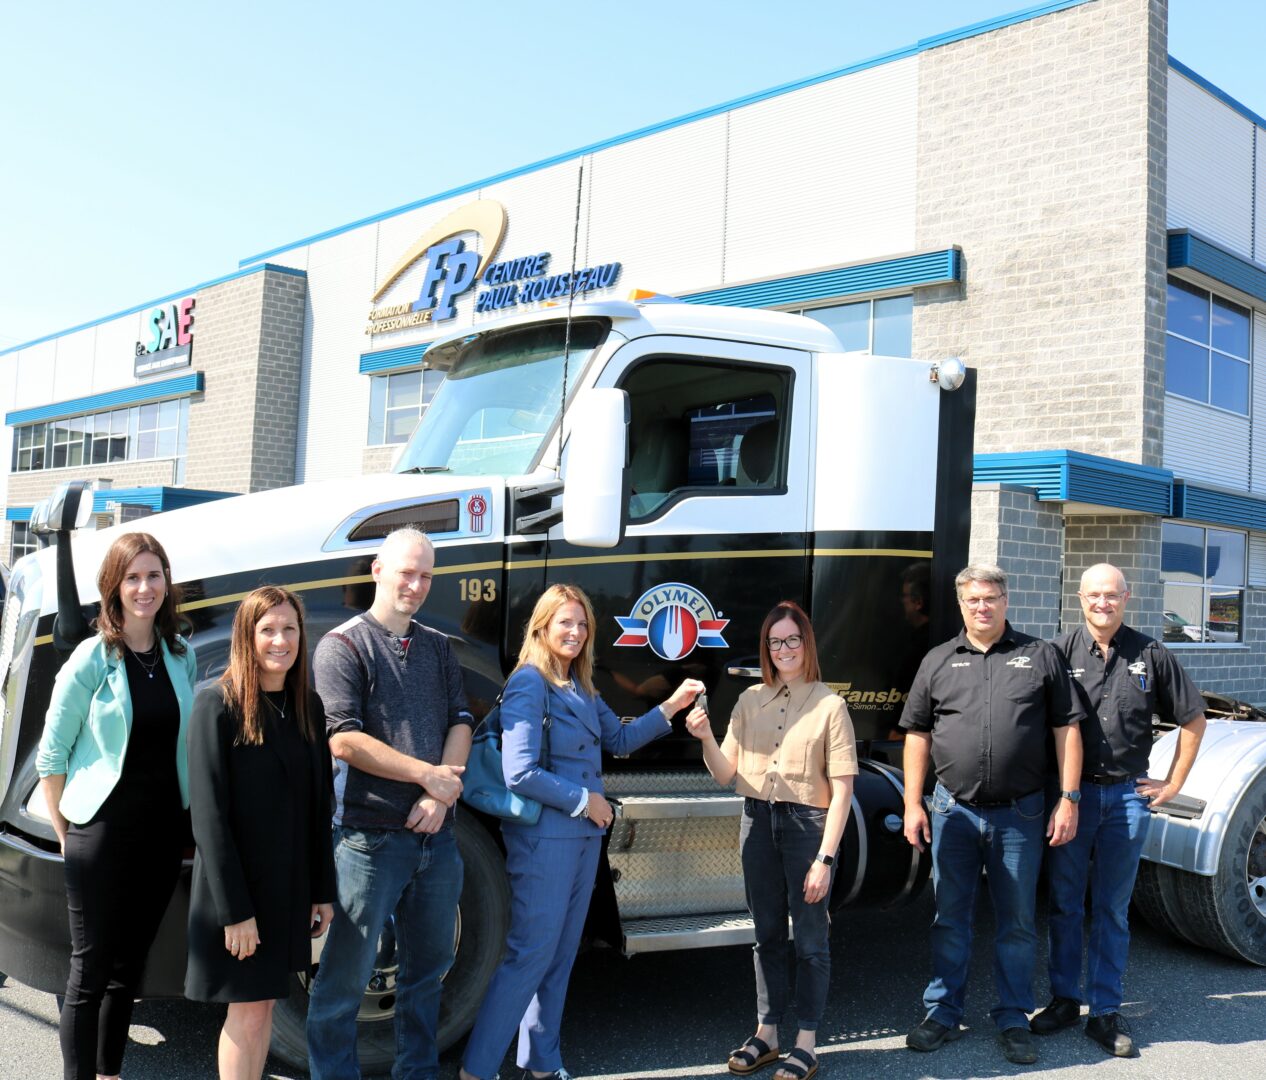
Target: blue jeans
1111,828
381,872
1006,842
778,843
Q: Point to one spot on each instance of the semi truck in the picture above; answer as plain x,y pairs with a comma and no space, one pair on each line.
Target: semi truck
688,466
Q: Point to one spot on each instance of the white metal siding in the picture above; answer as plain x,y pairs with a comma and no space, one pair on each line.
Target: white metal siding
825,175
333,395
1257,559
1206,444
115,350
1259,230
35,375
658,206
72,370
1210,167
1258,478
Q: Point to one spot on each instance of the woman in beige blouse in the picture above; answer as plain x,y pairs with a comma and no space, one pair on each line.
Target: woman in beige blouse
790,752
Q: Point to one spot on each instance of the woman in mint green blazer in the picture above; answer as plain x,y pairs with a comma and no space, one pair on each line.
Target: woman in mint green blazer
115,777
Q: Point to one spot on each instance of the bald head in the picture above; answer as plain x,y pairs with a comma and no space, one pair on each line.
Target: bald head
1103,597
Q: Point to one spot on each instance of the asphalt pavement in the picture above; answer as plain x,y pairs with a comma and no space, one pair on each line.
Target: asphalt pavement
1194,1014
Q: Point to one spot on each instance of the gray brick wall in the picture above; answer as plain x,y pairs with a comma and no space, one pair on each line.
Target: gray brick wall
1042,153
1026,538
243,430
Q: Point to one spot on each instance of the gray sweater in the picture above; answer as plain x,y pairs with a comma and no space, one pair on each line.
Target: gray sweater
404,691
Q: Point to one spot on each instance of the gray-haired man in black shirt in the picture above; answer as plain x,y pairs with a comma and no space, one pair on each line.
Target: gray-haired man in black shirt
1122,678
979,712
400,733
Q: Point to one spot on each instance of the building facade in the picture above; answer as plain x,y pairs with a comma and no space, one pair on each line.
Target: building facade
1049,196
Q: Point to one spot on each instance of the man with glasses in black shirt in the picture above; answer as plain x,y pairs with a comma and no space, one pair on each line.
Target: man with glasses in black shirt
1122,678
979,711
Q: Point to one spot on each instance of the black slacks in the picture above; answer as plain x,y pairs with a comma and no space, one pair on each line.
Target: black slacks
121,871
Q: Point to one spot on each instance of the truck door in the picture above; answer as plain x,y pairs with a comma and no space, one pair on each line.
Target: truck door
717,520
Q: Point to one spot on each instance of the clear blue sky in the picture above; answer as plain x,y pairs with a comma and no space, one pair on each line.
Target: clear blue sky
146,147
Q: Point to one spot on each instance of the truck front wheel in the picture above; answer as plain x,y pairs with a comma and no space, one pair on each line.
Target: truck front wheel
482,921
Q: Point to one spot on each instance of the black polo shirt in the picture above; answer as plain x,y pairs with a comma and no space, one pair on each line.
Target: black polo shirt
1119,693
989,714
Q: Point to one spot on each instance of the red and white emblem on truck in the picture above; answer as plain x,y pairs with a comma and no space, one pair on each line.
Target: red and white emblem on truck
673,619
476,507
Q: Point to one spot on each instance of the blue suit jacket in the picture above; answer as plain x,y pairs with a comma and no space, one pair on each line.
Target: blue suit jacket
581,727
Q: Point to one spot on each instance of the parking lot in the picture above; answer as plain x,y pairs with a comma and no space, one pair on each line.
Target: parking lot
1194,1014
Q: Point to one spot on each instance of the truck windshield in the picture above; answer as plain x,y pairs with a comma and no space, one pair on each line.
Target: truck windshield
500,400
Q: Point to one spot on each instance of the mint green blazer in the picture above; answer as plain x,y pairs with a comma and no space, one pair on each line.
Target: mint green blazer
89,722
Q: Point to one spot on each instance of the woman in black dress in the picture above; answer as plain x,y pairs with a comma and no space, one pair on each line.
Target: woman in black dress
259,787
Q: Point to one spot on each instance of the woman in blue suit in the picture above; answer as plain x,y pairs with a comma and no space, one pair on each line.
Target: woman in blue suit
553,864
115,778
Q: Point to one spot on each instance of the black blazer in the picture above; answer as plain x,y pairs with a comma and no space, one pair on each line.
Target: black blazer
261,820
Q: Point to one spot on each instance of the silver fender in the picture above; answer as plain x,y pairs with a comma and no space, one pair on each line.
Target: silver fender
1232,754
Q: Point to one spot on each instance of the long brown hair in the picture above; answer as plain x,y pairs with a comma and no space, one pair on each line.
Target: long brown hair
167,622
536,650
240,681
789,609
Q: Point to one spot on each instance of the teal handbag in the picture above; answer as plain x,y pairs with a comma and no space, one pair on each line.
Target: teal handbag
483,783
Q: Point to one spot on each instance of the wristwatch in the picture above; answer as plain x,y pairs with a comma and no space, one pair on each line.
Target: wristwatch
825,860
1073,797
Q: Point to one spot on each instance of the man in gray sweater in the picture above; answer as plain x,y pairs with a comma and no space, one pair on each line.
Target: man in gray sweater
400,734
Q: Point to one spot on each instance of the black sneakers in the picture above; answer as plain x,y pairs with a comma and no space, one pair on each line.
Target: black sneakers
931,1034
1112,1033
1017,1046
1059,1014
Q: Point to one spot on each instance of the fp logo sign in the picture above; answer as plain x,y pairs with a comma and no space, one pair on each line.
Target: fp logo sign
451,270
673,619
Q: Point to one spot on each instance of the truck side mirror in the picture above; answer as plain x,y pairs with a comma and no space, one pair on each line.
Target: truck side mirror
67,509
593,492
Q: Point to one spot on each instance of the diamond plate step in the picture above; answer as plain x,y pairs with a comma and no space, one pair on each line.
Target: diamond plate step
688,932
697,804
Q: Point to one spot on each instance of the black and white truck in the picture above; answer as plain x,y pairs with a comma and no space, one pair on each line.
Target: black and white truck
688,466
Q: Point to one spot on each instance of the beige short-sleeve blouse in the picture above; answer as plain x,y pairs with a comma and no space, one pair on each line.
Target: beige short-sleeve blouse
789,741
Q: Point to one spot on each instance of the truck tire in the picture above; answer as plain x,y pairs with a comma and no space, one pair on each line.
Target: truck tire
483,918
1151,889
1228,911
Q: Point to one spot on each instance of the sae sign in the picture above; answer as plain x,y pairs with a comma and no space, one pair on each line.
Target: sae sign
170,344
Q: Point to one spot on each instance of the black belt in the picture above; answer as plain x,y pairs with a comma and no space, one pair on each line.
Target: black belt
991,804
1106,779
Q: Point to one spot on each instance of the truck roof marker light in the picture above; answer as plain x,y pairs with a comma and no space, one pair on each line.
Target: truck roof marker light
646,296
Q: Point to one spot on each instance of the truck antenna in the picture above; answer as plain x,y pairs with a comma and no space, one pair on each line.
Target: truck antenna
571,296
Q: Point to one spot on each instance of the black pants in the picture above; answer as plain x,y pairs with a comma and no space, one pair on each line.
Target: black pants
121,871
778,843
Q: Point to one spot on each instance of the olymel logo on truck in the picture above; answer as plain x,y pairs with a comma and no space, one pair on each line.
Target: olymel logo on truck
673,619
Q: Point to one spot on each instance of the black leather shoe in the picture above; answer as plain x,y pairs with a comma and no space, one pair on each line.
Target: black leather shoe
1059,1014
1112,1033
930,1034
1017,1046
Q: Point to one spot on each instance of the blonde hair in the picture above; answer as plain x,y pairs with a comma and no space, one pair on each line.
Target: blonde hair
536,651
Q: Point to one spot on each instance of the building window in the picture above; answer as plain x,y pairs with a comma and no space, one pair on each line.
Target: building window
139,433
397,402
1207,348
22,542
882,327
1204,573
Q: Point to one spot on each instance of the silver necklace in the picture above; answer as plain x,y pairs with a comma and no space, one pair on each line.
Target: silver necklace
151,667
285,701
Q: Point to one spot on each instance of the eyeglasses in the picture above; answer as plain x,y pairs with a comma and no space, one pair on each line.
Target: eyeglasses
793,642
975,602
1105,597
